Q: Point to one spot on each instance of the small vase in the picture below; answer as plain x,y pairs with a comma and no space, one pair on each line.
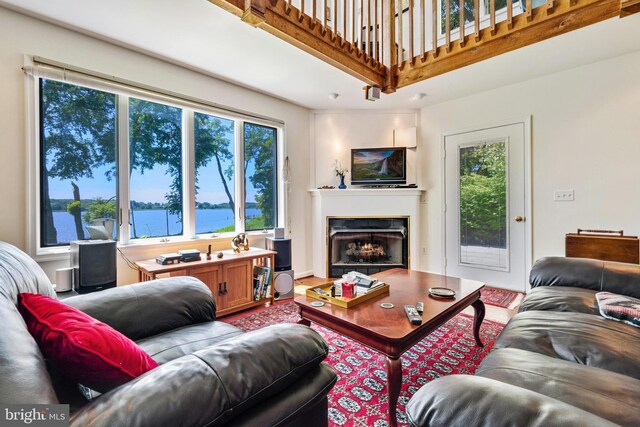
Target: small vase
342,185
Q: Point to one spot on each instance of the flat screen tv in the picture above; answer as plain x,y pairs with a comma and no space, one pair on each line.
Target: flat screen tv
378,166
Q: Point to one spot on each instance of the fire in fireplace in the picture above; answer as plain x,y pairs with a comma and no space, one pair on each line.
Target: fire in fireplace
368,245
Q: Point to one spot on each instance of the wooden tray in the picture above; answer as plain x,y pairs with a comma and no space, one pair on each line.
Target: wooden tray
346,302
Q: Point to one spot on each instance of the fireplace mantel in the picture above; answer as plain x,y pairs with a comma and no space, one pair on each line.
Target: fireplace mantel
362,202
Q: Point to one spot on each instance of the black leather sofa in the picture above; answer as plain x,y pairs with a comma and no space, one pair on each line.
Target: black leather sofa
557,362
210,373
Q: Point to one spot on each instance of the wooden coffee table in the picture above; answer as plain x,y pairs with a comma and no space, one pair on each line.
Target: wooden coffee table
389,330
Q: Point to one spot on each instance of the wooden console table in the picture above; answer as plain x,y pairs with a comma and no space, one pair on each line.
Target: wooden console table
229,278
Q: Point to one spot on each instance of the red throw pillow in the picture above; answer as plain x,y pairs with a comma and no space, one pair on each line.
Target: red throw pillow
83,348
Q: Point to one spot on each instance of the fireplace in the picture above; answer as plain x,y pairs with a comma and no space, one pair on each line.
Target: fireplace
367,244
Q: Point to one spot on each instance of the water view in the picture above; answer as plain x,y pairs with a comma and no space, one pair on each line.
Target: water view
156,222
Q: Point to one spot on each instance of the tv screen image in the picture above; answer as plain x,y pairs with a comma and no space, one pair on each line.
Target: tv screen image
378,166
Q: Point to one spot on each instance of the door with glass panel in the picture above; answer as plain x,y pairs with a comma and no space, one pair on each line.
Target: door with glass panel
485,204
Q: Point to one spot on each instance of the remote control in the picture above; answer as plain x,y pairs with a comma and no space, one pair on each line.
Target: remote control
419,307
320,291
413,315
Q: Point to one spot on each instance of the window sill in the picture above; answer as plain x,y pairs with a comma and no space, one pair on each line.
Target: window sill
62,253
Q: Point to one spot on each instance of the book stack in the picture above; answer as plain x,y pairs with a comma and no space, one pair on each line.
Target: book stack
363,288
261,282
188,255
363,283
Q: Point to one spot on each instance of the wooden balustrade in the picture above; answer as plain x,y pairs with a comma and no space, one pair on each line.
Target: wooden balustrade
386,43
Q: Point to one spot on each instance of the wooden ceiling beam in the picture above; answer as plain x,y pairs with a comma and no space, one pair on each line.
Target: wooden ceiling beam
557,17
567,15
289,24
629,7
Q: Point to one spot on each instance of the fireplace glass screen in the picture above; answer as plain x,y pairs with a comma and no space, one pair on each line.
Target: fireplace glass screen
367,245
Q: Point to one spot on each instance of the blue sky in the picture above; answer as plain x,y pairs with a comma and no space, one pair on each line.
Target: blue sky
150,187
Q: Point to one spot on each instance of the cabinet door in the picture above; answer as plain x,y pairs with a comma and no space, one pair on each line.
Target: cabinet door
211,277
237,280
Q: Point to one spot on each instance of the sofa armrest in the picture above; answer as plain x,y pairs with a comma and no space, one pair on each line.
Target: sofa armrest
213,385
616,277
150,308
468,401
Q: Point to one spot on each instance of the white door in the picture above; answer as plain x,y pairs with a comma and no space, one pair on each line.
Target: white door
486,232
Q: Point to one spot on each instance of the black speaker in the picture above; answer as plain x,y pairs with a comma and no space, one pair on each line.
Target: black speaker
283,249
94,265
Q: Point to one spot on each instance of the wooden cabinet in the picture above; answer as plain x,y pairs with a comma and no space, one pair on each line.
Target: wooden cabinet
237,272
230,278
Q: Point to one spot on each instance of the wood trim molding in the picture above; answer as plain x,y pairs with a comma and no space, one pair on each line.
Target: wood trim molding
556,17
544,24
291,25
629,7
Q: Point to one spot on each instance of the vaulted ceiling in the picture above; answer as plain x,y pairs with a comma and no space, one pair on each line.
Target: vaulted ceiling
198,35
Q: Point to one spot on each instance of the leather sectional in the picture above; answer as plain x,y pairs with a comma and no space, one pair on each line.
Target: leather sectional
210,373
557,362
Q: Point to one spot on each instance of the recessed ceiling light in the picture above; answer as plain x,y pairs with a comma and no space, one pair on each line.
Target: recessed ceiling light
418,96
334,95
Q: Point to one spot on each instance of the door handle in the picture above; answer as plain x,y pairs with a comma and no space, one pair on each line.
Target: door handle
225,288
519,218
219,288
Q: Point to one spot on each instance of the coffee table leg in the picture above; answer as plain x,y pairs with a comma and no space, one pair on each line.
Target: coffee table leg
478,307
302,320
394,383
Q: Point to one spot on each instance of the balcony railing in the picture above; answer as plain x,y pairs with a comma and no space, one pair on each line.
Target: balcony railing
394,43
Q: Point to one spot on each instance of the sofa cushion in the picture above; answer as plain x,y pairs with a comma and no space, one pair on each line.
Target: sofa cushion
186,340
20,273
473,401
23,372
618,277
619,307
157,305
560,298
88,351
607,394
587,339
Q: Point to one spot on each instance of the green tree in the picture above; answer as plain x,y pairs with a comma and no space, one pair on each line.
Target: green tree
259,147
483,195
212,143
156,139
78,136
469,7
100,208
454,15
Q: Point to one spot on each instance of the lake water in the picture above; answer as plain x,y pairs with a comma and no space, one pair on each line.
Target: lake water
155,222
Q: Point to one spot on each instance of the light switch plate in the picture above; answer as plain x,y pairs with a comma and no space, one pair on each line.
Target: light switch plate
563,196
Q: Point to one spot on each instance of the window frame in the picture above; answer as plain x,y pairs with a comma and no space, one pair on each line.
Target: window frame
275,173
469,27
123,93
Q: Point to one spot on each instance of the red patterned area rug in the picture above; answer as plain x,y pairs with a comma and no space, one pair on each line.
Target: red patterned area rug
359,398
498,297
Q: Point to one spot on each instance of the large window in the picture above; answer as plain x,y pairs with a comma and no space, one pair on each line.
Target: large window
155,162
78,160
260,206
232,166
468,12
215,183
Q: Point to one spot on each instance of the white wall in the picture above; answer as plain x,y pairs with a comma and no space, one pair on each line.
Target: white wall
335,133
586,137
22,35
